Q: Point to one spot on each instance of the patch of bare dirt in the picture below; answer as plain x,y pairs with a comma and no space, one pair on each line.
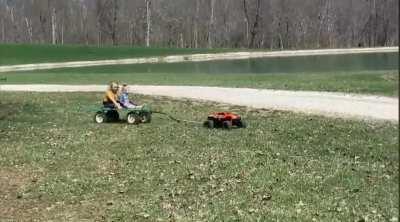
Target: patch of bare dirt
16,205
13,183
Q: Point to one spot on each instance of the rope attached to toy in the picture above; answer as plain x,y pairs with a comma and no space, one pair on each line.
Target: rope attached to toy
175,119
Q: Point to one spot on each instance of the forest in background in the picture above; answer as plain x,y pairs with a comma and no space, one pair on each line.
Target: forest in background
267,24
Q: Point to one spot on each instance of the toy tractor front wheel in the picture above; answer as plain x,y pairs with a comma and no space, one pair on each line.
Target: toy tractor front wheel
241,124
133,118
99,117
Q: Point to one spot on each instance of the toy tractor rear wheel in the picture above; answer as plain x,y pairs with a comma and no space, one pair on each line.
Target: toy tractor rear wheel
99,117
227,125
146,117
209,123
241,124
133,118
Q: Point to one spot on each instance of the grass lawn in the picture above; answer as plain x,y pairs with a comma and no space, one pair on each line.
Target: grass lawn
11,54
56,164
366,82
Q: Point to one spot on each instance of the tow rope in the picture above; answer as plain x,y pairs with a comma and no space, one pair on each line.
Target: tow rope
176,119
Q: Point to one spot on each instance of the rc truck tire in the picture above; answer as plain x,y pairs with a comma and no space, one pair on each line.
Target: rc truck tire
209,124
242,124
227,125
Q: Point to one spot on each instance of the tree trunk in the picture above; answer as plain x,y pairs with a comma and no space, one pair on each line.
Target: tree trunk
254,30
114,26
321,18
12,15
28,29
84,23
371,24
98,32
196,25
148,22
14,26
262,41
182,44
271,44
62,33
246,20
53,27
211,25
99,14
131,32
3,31
281,42
376,18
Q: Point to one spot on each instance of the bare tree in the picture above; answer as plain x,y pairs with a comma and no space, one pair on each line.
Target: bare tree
196,25
212,23
29,29
3,30
148,22
246,20
115,20
53,26
254,28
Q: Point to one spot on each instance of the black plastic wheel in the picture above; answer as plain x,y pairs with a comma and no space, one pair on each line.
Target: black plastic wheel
227,125
99,117
133,118
146,117
241,124
209,124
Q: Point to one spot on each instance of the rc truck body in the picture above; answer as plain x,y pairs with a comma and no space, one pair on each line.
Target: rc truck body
225,120
139,114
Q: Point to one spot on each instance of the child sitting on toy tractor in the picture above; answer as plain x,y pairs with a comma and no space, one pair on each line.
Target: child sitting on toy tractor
124,98
110,99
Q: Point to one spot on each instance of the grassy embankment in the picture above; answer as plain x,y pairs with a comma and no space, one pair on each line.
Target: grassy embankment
363,82
59,165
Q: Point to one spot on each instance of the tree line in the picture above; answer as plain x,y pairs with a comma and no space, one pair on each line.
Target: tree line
270,24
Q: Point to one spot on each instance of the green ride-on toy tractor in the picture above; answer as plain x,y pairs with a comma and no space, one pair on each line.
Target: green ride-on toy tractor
137,115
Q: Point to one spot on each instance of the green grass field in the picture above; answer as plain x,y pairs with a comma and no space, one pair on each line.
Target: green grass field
363,82
11,54
59,165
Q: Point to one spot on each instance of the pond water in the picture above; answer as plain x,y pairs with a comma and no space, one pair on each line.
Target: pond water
326,63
